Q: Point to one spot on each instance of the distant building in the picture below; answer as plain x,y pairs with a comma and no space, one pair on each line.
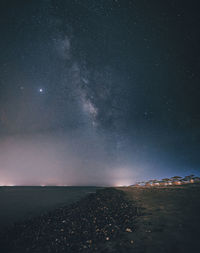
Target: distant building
156,184
149,184
177,182
164,183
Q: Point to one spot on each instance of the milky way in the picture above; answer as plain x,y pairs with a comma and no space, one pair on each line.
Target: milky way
98,92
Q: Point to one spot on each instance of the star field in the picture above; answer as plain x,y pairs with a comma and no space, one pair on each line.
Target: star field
123,72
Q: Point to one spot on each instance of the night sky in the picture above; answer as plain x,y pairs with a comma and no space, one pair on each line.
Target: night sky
98,92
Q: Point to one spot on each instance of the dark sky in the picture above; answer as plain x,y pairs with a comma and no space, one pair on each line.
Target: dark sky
98,92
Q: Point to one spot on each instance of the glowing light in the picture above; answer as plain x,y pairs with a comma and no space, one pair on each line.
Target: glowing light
122,183
122,176
6,184
41,90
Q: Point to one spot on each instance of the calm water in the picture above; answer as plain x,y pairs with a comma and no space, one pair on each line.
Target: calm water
19,203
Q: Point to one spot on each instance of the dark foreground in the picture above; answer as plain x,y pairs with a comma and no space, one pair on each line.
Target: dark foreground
144,220
18,203
170,220
98,223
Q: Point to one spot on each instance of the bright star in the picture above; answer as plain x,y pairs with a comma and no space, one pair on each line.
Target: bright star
41,90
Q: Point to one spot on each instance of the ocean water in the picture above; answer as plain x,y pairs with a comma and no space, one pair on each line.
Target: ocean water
18,203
